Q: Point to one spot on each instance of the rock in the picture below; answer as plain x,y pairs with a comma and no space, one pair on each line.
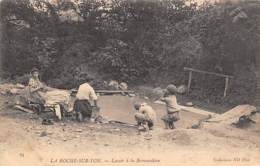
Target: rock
256,117
14,91
235,11
123,86
43,134
101,119
159,102
147,98
182,89
37,132
241,15
106,144
131,95
49,132
79,130
158,92
141,128
190,104
195,126
238,14
148,136
113,130
33,117
117,129
114,85
20,86
105,122
3,92
64,139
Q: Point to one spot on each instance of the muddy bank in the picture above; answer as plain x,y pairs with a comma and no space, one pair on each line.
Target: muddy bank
33,144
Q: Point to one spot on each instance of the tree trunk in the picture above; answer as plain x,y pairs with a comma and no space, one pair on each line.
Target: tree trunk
257,73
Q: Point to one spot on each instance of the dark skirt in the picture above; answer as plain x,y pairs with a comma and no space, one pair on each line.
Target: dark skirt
84,107
171,117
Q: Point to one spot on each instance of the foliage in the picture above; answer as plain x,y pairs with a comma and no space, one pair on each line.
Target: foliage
132,41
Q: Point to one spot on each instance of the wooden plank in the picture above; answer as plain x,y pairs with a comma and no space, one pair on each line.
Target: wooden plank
113,91
108,91
197,111
189,83
193,110
226,86
23,109
207,72
121,123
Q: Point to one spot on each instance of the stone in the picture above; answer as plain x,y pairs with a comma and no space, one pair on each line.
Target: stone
182,89
20,86
159,102
190,104
131,95
15,91
117,129
114,85
158,92
3,92
123,86
49,132
43,134
148,137
79,130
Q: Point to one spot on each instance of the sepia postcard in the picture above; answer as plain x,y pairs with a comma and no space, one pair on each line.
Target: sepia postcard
129,82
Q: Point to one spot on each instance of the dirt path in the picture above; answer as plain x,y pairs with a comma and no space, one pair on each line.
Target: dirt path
24,141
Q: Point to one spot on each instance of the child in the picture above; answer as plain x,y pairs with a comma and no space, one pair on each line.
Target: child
172,107
145,116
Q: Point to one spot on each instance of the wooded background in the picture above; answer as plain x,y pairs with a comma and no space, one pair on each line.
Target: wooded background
135,41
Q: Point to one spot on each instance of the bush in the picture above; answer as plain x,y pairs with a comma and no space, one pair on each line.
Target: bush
138,42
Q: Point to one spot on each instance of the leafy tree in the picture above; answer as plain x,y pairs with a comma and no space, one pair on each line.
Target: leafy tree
134,41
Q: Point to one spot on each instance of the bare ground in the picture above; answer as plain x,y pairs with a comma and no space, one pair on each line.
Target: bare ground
24,141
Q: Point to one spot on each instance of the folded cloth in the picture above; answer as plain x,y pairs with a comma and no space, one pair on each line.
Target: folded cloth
56,97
